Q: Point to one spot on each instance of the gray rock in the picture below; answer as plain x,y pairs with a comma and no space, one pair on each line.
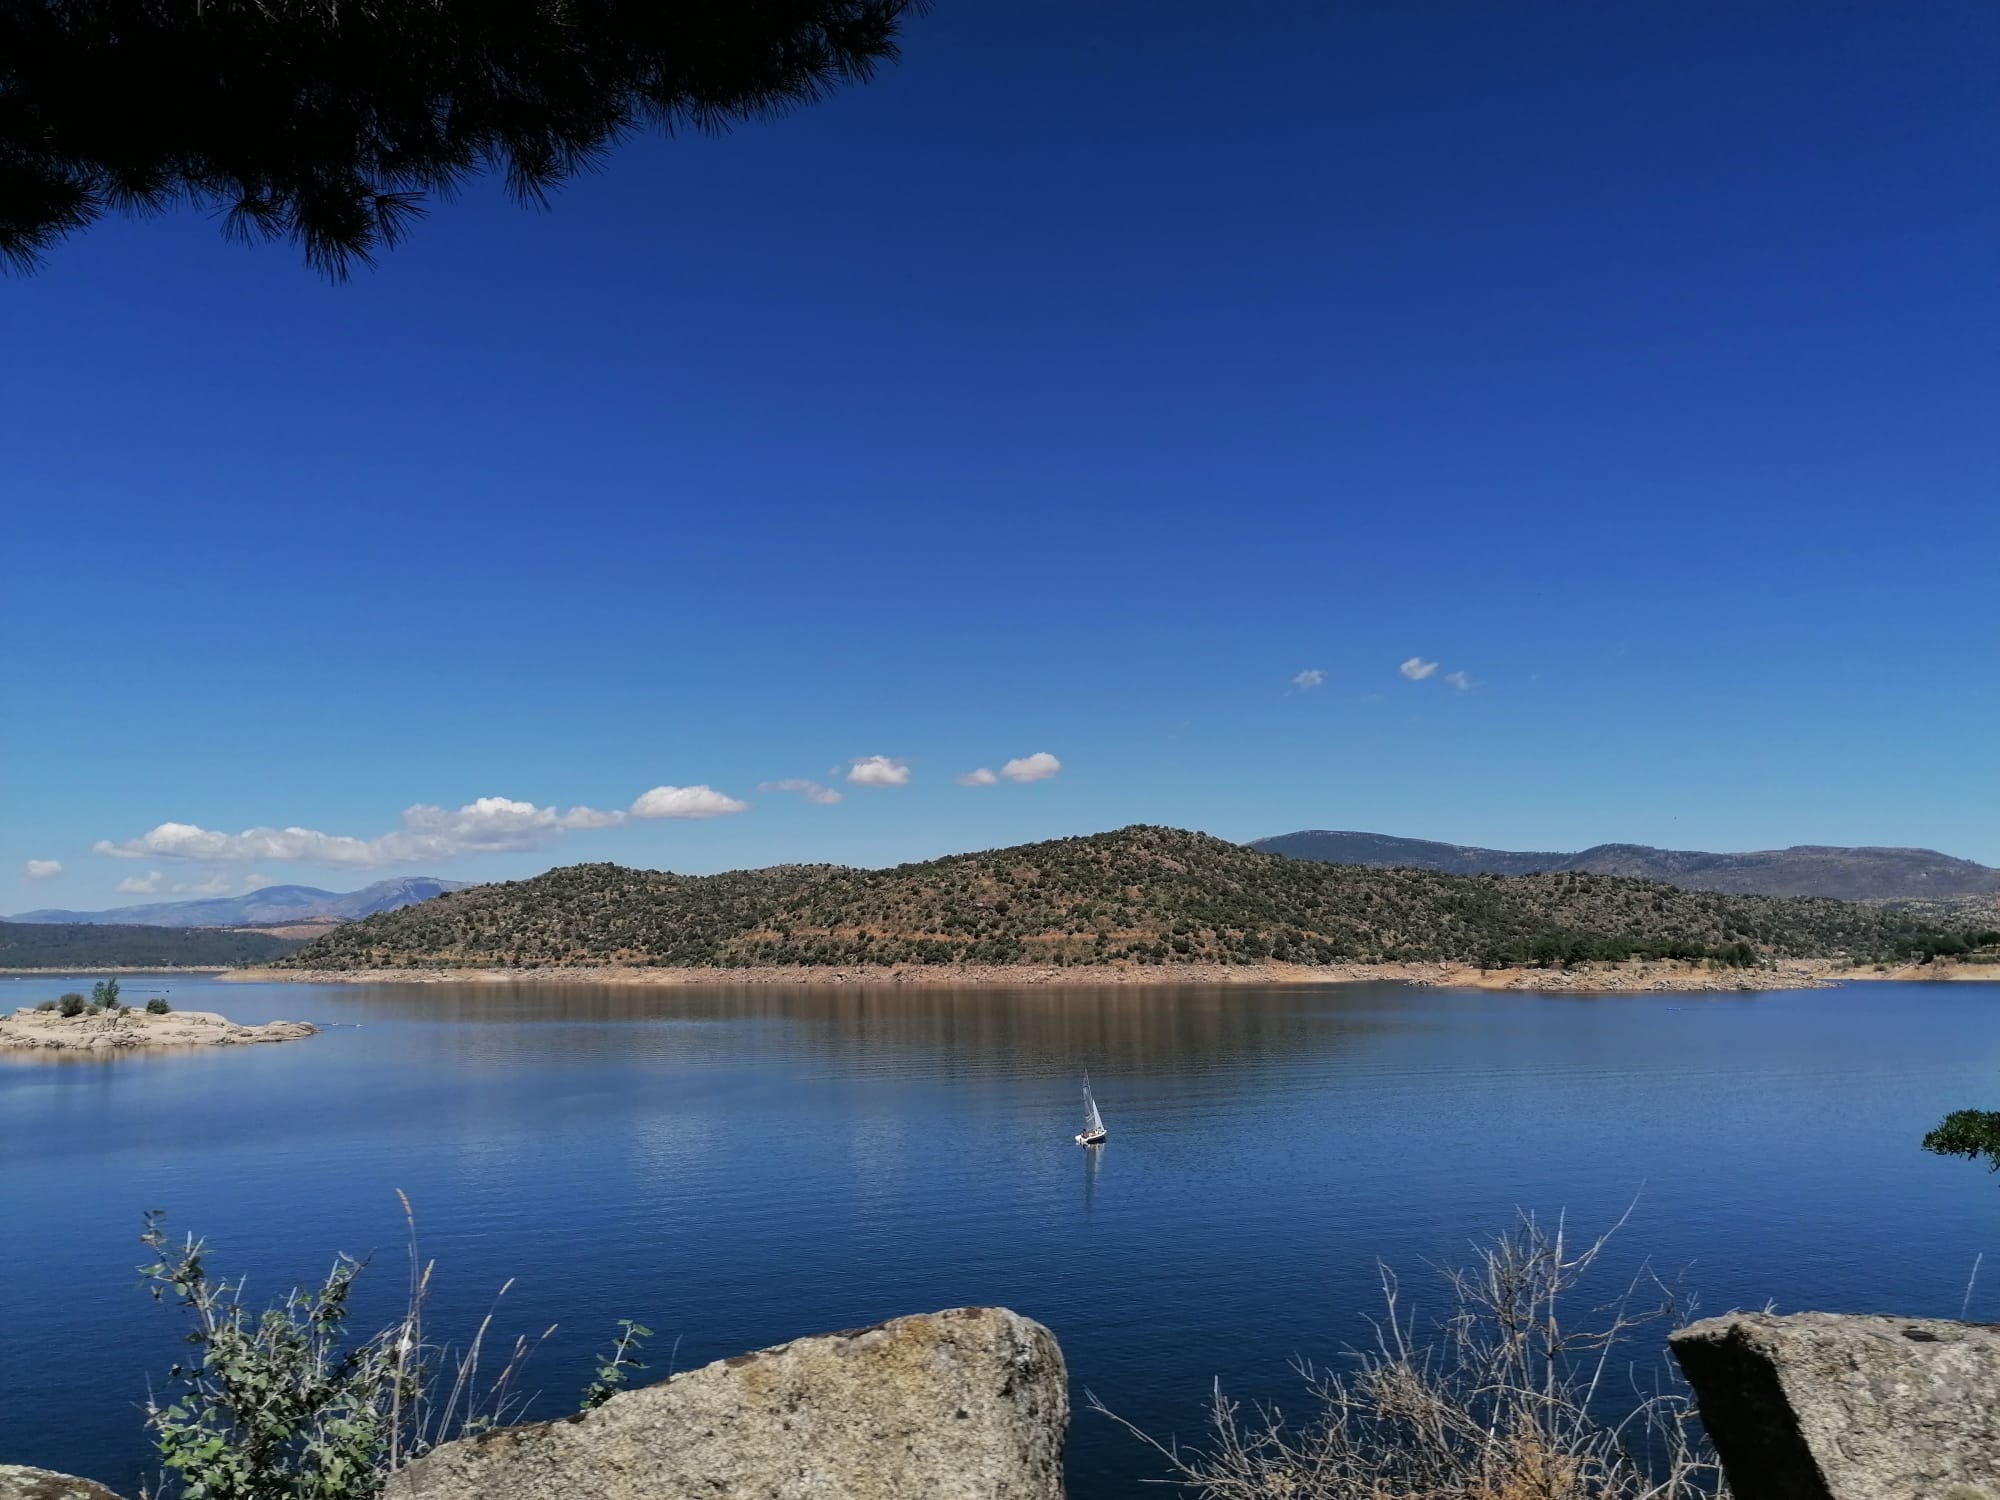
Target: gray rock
18,1482
969,1404
1819,1406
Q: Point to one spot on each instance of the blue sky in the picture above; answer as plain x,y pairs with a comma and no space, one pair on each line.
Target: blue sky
1068,391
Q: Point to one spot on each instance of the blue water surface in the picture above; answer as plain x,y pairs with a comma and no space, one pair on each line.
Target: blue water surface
738,1167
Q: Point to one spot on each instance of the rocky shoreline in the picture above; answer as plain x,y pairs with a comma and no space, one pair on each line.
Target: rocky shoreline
1628,978
136,1030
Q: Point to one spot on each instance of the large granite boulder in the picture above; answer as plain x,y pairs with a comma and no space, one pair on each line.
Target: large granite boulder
969,1404
18,1482
1819,1406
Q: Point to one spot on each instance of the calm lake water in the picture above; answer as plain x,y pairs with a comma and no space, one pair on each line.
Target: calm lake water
735,1168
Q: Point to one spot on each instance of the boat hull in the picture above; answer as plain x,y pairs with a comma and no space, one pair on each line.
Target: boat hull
1093,1138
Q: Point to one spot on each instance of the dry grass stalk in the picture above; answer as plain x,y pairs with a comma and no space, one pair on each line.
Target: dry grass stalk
1502,1400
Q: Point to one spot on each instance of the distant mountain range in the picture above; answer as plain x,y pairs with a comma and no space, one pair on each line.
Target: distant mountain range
274,906
1859,874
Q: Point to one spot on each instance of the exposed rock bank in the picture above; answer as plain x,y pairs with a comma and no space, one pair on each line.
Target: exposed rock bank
135,1030
969,1404
1938,971
1791,974
1817,1406
1646,976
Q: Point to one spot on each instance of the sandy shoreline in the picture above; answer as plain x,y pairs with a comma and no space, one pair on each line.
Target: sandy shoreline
1620,979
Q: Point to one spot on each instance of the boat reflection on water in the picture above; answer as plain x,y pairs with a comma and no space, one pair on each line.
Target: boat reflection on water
1092,1159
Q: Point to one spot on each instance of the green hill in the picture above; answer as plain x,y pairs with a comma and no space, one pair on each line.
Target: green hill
1138,895
98,945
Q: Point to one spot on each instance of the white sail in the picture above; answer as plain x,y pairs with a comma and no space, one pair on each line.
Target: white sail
1093,1122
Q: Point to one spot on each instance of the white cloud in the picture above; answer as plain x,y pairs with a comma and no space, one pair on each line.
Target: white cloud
878,770
488,825
1307,680
587,817
187,841
1037,767
683,802
142,885
1417,669
1458,680
812,791
44,869
217,884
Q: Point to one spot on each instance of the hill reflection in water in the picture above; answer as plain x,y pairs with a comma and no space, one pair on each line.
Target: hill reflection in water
1168,1029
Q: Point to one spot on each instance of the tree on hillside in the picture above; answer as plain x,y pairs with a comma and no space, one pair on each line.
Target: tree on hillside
1971,1133
328,123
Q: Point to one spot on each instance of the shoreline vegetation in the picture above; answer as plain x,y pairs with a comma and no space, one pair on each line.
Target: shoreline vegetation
1627,978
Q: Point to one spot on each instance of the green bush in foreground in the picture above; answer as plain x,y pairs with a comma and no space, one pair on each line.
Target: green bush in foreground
286,1404
283,1402
616,1365
70,1005
1971,1133
157,1007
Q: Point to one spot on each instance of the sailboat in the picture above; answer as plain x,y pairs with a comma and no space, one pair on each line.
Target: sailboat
1094,1133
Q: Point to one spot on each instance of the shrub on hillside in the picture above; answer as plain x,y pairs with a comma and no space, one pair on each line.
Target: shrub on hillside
157,1007
71,1005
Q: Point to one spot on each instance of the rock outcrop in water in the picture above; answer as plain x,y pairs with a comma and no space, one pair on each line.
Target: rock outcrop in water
134,1030
1818,1406
969,1404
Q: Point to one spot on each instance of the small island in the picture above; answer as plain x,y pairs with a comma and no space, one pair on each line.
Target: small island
103,1023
